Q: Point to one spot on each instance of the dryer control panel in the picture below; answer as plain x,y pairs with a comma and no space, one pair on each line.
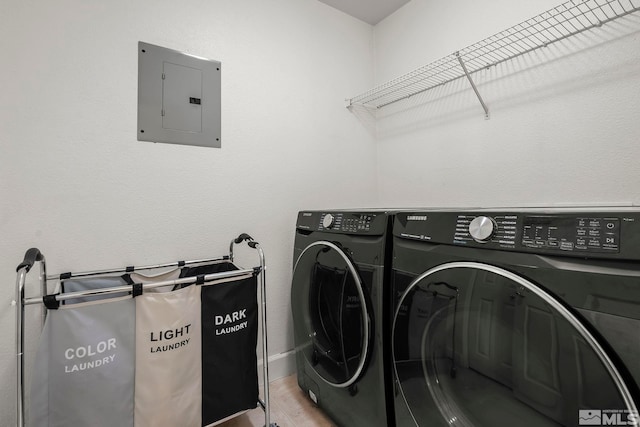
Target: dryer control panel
574,233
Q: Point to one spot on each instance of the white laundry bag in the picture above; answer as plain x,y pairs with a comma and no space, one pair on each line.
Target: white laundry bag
168,375
84,367
162,277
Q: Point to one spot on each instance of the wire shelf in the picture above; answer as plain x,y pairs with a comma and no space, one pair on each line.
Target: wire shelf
563,21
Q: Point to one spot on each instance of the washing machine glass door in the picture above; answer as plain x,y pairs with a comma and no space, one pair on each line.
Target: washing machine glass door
476,345
330,315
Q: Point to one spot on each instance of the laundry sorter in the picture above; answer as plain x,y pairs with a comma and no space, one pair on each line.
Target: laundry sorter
133,347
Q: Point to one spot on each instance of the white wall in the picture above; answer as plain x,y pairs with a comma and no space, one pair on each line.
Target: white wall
75,183
564,120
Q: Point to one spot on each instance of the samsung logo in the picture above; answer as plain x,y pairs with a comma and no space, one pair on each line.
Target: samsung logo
417,218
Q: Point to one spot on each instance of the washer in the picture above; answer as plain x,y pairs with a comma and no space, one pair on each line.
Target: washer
341,314
516,317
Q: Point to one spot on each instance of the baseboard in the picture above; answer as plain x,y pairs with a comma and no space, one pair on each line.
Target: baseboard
280,365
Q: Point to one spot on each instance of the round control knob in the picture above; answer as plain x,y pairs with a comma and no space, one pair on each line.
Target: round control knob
482,228
328,221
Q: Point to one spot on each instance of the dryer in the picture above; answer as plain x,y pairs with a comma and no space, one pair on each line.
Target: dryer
341,308
516,317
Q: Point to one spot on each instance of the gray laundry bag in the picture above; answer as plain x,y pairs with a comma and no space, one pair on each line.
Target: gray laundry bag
84,367
168,359
93,283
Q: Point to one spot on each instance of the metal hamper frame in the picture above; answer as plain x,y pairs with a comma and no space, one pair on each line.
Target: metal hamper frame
34,255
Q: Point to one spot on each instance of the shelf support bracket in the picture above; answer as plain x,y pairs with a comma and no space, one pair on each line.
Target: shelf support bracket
473,85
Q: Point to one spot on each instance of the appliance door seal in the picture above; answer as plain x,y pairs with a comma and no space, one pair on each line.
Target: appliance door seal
333,324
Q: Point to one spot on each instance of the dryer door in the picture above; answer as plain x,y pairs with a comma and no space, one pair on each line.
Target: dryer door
331,321
477,345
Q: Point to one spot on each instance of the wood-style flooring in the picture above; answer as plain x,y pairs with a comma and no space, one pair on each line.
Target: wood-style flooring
290,407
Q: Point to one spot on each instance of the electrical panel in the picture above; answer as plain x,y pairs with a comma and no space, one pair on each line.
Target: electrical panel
178,97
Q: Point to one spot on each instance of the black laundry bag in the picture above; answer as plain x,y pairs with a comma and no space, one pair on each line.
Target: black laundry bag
229,340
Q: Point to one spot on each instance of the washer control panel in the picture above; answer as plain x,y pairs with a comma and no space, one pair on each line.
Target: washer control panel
500,229
596,233
580,234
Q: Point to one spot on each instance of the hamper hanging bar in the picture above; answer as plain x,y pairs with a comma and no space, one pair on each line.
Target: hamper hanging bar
209,278
131,269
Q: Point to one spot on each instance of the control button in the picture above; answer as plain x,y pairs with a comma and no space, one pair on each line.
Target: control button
482,228
566,246
611,225
328,221
610,240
